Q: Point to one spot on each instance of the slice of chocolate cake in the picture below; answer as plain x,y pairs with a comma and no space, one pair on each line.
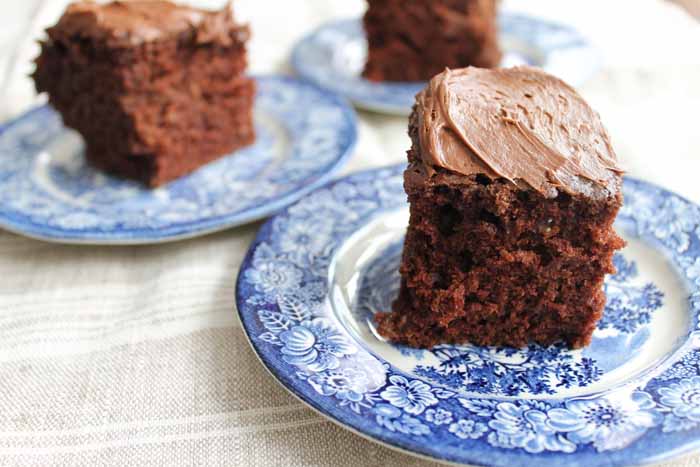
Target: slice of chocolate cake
415,40
513,188
155,89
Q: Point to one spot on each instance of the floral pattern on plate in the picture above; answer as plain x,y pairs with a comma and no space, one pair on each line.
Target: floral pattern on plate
507,371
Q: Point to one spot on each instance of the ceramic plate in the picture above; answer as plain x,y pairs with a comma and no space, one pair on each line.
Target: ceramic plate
318,272
47,191
334,55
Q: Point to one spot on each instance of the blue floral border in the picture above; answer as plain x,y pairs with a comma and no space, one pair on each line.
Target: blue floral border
281,293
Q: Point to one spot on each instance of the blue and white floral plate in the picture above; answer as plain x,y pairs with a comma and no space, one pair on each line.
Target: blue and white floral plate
318,272
47,191
334,55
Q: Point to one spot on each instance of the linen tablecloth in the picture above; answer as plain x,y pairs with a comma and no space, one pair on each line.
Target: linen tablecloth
135,355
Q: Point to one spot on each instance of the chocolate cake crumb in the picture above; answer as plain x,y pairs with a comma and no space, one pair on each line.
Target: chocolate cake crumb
415,40
511,222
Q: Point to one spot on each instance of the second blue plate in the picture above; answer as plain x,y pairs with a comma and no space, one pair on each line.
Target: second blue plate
47,190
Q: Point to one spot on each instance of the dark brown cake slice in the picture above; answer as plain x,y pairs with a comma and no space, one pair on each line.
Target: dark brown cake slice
415,40
513,189
155,89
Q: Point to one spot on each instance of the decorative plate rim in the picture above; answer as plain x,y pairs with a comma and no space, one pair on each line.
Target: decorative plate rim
371,104
189,229
638,452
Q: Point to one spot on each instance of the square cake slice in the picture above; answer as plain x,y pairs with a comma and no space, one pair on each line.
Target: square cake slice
513,188
155,89
415,40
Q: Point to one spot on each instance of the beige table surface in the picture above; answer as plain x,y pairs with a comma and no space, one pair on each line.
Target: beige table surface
691,6
135,356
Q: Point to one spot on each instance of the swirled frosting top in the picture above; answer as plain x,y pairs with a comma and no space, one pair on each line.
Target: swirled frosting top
520,124
133,22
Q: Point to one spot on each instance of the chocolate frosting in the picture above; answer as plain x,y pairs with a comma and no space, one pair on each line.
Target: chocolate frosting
520,124
127,23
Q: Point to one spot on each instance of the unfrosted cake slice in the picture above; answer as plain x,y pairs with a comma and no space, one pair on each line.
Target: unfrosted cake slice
513,188
415,40
155,89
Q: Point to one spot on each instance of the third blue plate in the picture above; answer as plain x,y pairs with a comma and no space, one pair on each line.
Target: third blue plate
334,55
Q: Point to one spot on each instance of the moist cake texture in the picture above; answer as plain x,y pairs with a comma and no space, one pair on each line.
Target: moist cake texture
415,40
155,89
513,188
